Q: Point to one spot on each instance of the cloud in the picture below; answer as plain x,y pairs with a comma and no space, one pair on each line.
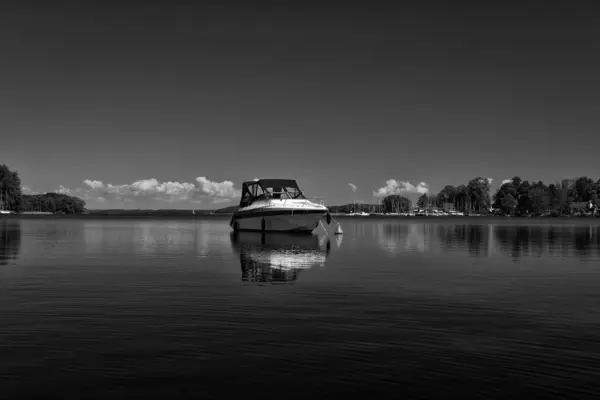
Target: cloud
401,187
217,190
144,190
27,190
507,181
490,180
63,190
94,184
353,186
171,191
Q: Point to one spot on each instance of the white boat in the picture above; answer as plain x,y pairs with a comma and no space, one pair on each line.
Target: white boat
358,214
277,205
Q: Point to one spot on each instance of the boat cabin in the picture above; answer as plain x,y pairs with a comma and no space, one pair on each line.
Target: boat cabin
269,189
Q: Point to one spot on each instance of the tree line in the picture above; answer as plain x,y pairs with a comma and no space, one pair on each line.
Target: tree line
12,198
519,197
514,197
473,196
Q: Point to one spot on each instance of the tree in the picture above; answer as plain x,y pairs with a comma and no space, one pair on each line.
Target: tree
462,196
516,181
396,203
10,189
447,194
524,204
478,191
508,204
422,201
54,202
584,190
433,201
505,198
540,196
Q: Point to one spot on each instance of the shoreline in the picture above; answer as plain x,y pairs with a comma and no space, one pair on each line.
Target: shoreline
340,217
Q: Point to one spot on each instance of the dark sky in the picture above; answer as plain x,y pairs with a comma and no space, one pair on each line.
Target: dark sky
328,95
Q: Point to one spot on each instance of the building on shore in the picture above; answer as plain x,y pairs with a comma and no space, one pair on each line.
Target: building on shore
580,207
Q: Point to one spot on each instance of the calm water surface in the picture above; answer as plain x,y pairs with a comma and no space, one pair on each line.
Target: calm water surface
91,308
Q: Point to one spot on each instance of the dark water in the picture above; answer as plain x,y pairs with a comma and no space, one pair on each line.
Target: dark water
92,308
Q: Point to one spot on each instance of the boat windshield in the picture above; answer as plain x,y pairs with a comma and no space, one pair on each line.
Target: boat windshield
270,189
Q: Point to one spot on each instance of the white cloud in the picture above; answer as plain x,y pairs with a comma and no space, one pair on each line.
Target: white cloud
401,187
506,181
181,191
490,180
173,190
94,184
353,186
27,190
96,191
223,189
63,190
144,185
152,188
117,189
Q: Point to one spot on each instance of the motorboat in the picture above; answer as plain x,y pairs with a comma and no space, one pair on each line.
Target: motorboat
277,205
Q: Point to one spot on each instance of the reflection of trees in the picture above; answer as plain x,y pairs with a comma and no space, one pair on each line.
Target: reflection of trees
471,237
392,236
483,240
522,241
10,241
514,239
412,236
475,238
586,239
416,240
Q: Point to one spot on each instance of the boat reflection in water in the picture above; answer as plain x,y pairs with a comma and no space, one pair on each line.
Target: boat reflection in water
278,257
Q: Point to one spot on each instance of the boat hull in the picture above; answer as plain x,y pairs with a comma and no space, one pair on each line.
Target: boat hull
297,221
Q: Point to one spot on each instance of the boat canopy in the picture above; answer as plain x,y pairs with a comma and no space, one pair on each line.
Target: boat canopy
269,188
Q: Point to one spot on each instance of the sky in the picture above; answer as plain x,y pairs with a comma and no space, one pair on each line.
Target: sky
174,104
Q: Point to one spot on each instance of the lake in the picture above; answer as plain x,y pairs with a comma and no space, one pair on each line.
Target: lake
395,308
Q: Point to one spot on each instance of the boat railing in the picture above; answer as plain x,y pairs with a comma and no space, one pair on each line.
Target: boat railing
318,200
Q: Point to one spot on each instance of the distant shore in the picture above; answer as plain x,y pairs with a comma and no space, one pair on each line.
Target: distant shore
112,216
339,217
